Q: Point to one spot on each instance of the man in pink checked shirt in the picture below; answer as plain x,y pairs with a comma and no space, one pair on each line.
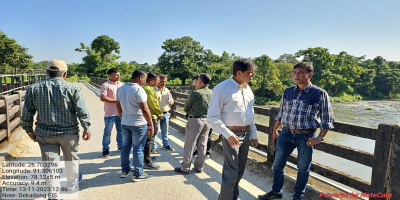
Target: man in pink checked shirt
108,93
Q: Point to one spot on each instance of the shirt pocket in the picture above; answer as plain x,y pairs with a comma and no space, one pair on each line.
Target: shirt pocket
238,103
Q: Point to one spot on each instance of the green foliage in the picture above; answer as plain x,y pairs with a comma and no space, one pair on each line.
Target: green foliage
261,100
287,58
12,55
175,81
99,57
267,83
346,98
184,57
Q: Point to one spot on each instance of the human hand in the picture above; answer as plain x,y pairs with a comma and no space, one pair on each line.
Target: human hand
151,130
313,141
32,136
86,135
234,140
275,135
254,143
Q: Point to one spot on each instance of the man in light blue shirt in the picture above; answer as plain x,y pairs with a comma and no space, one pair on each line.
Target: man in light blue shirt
136,121
231,114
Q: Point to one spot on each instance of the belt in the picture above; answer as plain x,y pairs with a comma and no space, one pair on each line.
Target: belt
164,113
300,131
191,116
238,128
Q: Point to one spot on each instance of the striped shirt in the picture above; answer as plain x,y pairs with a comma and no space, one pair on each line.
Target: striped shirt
59,104
309,108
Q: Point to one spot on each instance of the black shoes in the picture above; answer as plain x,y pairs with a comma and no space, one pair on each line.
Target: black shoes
106,154
178,169
270,195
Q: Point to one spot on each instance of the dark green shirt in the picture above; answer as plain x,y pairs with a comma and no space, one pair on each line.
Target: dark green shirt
59,104
198,102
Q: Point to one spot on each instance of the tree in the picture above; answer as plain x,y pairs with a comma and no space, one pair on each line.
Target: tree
104,45
287,58
268,83
99,57
13,55
379,64
183,58
285,73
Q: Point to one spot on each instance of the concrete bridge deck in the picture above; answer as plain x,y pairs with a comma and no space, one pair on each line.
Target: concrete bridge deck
101,177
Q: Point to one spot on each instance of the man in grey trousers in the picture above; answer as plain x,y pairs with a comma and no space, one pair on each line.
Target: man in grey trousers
231,114
59,104
197,127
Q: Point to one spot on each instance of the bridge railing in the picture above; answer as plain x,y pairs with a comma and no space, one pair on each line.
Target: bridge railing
12,92
382,160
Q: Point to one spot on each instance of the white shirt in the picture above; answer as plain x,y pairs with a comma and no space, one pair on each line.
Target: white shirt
231,106
129,96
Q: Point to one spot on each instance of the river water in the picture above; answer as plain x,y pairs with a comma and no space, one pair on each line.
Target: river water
364,113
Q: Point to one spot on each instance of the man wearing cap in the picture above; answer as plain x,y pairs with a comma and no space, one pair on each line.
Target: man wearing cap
304,108
108,93
196,133
231,114
59,104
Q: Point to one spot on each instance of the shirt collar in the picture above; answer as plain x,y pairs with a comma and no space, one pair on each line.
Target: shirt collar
306,89
56,78
236,84
109,81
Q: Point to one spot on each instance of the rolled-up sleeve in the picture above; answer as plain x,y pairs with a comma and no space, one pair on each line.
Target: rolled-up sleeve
103,89
214,113
326,112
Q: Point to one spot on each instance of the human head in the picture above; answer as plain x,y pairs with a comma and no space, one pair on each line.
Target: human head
243,70
57,68
302,72
139,77
113,74
152,78
194,80
203,80
163,81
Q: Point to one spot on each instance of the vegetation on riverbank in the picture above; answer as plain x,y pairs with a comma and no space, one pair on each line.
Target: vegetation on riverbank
345,77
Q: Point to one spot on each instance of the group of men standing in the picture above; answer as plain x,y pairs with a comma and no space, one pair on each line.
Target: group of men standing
142,104
136,110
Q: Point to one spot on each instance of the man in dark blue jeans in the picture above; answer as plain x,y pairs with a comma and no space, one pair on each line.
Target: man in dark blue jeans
108,93
304,108
135,119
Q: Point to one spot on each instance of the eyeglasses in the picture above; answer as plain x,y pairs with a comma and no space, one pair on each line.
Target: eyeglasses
300,73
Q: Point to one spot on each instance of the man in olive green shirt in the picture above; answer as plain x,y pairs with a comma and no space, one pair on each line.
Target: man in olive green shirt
152,102
196,107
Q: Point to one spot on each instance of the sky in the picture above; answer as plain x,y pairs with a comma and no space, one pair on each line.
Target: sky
247,28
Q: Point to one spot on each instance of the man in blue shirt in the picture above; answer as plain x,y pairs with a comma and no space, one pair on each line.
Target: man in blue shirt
304,108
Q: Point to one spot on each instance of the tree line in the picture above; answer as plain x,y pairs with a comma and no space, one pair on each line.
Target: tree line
344,76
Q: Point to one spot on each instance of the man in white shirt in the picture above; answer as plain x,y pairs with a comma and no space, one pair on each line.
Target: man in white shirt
166,101
231,114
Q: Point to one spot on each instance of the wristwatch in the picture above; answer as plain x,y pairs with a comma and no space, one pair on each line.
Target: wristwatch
320,138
